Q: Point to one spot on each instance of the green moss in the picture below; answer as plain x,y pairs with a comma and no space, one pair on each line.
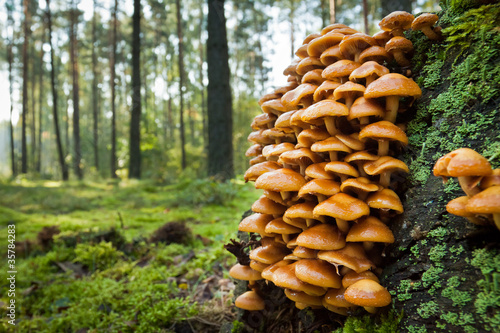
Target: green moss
417,329
415,250
385,323
458,319
440,233
431,278
238,327
428,309
487,302
460,298
438,252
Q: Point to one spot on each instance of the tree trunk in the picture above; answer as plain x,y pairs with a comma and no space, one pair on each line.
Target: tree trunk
33,80
389,6
181,84
112,82
292,29
76,92
55,113
10,59
365,16
95,111
24,151
333,11
202,85
135,119
41,93
219,101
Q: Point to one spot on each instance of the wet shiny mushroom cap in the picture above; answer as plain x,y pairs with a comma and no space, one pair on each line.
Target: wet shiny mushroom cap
342,206
397,22
246,273
340,69
256,223
250,301
302,95
352,277
318,272
367,292
321,237
302,297
320,44
352,256
325,90
352,45
280,180
256,170
370,229
285,277
393,84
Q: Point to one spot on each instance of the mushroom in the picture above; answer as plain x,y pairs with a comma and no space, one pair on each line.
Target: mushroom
398,47
352,256
269,254
300,297
285,277
369,230
321,188
302,95
332,146
486,202
340,70
392,86
258,266
352,277
383,132
359,158
382,37
348,92
385,166
361,186
245,273
369,71
278,136
458,206
376,54
333,26
274,106
325,111
368,294
268,97
256,160
331,55
265,205
342,169
250,301
397,22
352,45
318,171
352,141
282,180
424,23
387,201
268,272
258,137
256,223
343,208
363,109
317,272
283,122
302,157
254,150
263,121
280,227
466,164
309,136
320,44
325,90
305,253
491,180
314,77
301,215
308,64
273,152
321,237
259,169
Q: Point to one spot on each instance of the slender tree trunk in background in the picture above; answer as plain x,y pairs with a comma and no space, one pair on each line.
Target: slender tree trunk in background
204,117
95,111
24,151
170,120
10,59
191,113
145,117
67,143
76,91
135,119
112,82
292,29
33,82
324,13
389,6
55,115
365,16
219,101
41,93
333,10
181,84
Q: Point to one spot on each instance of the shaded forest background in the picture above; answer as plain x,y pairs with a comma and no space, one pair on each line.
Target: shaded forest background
89,46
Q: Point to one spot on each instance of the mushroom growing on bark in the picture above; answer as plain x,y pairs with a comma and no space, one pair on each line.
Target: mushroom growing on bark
424,23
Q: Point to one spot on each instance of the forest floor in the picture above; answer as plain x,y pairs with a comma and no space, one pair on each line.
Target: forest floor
120,256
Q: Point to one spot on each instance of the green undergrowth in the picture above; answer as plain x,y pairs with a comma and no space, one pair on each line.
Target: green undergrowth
460,78
101,272
385,323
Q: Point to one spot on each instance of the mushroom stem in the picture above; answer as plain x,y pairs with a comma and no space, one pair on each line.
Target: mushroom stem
383,147
310,222
333,156
343,225
391,107
285,195
371,309
368,245
385,179
356,56
349,100
321,197
401,59
330,125
429,33
370,78
398,32
469,185
496,219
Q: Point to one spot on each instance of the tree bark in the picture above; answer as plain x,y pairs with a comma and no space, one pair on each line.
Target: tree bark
202,85
365,16
10,59
219,100
181,84
41,93
24,151
95,111
55,113
135,119
76,94
112,83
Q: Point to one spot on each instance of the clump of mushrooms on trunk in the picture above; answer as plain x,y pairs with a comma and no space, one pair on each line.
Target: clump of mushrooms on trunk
330,221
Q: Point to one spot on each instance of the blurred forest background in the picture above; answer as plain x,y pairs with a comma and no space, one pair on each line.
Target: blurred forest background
78,55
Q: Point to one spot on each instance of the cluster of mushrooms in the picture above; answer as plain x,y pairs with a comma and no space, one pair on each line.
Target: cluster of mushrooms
480,183
323,155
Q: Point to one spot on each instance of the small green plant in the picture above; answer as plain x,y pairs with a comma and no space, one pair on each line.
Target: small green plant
97,257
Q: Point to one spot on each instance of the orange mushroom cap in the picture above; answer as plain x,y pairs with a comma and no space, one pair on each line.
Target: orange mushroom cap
317,272
367,292
321,237
250,301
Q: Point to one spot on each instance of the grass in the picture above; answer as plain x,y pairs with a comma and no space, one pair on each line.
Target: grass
122,283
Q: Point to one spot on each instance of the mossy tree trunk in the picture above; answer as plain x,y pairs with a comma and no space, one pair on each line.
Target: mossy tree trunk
442,271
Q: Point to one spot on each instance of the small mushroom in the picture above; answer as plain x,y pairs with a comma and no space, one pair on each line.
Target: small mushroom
348,92
256,223
368,294
343,208
458,206
331,55
321,188
369,71
309,136
486,202
285,277
340,70
325,111
245,273
317,272
398,47
321,237
282,180
280,227
385,166
370,230
302,298
352,45
301,157
375,53
383,132
332,146
362,109
320,44
352,256
424,23
352,277
250,301
396,22
325,90
309,64
259,169
302,95
301,215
